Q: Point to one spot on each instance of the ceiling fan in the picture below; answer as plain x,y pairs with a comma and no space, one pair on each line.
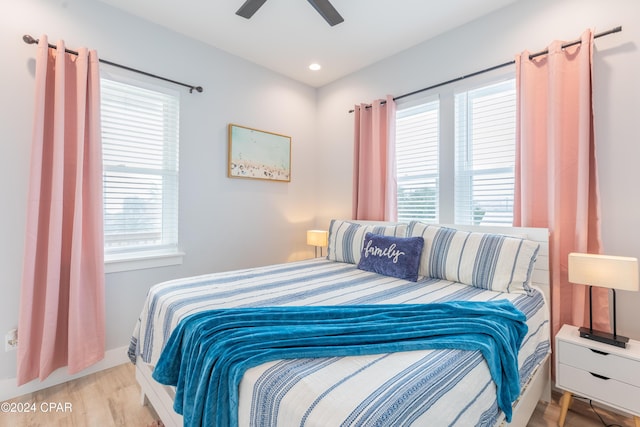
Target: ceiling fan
324,8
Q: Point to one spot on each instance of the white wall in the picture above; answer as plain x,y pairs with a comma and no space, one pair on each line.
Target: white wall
225,223
493,40
218,215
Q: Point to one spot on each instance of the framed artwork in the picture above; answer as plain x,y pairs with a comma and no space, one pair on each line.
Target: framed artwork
256,154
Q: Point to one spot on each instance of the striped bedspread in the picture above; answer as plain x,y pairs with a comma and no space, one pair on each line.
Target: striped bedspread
425,387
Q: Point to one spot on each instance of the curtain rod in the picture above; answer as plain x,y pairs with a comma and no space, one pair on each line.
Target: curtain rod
495,67
30,40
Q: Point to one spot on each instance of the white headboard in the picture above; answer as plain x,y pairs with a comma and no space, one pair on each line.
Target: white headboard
540,277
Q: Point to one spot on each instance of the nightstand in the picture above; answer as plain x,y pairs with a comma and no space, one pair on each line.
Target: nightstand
597,371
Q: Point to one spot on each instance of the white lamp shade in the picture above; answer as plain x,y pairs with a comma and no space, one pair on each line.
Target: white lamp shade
606,271
317,238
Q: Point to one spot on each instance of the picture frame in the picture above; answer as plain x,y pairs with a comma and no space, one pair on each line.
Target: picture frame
257,154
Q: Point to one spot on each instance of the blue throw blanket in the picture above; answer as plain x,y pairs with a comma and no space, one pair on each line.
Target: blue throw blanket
208,353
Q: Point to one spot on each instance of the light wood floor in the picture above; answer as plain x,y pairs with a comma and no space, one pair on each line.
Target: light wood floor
112,398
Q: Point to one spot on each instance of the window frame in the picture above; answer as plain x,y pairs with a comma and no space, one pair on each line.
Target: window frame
447,155
465,170
431,104
158,256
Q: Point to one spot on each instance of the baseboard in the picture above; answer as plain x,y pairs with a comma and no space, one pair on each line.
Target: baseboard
9,390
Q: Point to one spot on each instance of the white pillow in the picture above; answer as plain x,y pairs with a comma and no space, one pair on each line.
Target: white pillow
489,261
346,238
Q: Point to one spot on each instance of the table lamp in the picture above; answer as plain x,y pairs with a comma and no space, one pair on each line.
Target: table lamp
605,271
317,238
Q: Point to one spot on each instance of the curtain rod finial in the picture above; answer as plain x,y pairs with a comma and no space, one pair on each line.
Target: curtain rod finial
196,88
29,40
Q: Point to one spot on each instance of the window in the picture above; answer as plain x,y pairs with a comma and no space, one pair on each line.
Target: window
140,170
456,155
485,120
417,162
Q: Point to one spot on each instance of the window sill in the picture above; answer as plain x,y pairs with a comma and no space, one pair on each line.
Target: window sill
140,261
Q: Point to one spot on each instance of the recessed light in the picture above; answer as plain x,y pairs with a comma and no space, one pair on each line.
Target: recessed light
315,67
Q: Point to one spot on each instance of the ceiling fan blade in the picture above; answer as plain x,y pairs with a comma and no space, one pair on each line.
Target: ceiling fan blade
328,12
249,8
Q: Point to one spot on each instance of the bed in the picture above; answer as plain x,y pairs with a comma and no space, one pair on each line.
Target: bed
418,387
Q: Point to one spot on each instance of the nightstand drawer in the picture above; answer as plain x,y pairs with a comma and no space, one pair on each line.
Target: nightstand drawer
616,393
608,365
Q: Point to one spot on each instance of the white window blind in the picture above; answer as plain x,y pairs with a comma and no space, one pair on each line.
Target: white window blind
417,137
140,169
485,154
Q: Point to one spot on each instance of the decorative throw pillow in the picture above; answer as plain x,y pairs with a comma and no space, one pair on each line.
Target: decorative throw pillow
391,256
484,260
345,238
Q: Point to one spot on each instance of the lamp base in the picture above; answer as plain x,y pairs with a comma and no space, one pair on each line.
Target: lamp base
604,337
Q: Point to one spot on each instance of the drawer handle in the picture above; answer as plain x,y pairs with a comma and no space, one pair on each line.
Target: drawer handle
602,377
599,352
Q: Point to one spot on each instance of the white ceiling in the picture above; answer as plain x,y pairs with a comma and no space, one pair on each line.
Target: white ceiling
287,35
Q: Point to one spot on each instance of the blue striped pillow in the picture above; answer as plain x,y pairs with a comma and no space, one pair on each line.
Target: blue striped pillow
346,238
484,260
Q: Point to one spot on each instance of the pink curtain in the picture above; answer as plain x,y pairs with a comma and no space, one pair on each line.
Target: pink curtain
374,161
556,180
62,298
